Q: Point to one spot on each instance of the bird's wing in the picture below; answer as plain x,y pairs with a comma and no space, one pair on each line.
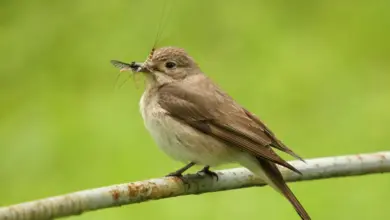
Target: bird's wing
204,107
276,143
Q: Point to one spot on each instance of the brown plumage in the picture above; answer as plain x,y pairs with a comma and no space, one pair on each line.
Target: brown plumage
193,120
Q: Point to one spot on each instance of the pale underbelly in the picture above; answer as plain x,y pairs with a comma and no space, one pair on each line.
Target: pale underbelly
183,143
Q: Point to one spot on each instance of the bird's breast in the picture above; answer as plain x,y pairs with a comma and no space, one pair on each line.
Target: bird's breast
161,127
150,108
179,140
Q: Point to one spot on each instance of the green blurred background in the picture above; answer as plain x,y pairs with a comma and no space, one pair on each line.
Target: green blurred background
317,72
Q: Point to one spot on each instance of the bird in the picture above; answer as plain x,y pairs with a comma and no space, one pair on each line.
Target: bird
194,121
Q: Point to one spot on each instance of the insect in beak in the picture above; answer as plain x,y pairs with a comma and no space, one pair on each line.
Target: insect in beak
133,66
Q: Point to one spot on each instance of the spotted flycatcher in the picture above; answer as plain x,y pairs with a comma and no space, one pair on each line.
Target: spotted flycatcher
192,120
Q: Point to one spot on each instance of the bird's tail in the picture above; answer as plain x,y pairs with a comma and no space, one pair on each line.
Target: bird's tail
280,185
268,172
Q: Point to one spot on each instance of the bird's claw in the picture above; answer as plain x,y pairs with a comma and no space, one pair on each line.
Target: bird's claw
206,170
178,175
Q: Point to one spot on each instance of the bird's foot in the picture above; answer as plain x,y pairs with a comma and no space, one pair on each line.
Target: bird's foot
206,170
178,175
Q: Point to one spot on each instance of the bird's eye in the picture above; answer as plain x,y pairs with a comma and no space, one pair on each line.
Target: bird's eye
170,65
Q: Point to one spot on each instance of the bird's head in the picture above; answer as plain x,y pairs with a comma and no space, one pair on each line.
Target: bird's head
167,64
